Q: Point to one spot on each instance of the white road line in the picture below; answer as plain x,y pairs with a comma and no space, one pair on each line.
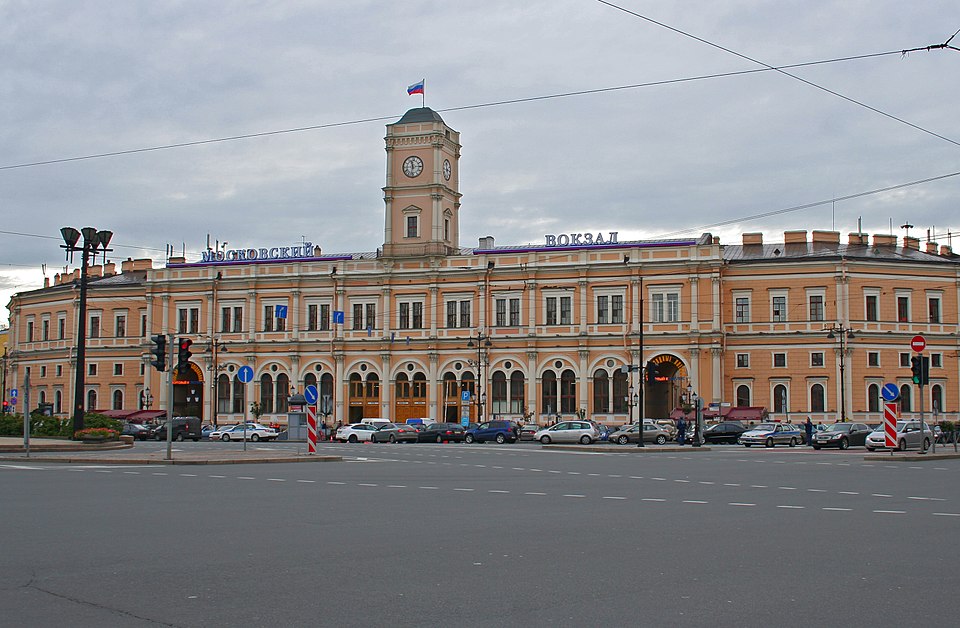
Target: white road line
731,485
817,490
706,483
636,477
307,481
612,497
652,499
683,481
276,480
659,479
519,469
880,495
496,467
532,493
497,491
428,488
574,495
848,493
694,501
365,484
758,486
594,475
99,471
463,489
838,509
940,469
216,476
132,472
793,507
188,475
338,483
538,470
787,488
929,499
825,463
614,476
158,473
245,477
740,504
551,471
891,512
396,486
947,514
573,473
914,467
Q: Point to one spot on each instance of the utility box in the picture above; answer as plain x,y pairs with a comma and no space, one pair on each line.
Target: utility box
296,417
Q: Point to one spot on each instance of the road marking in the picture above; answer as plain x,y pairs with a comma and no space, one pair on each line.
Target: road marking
534,493
574,495
881,495
838,509
947,514
740,504
659,479
573,473
519,469
337,483
396,486
132,472
652,499
914,467
636,477
683,481
707,483
594,475
614,476
731,485
787,488
188,475
551,471
694,501
848,493
364,484
158,473
216,476
929,499
463,489
497,491
891,512
758,486
496,467
611,497
428,488
817,490
307,481
793,507
540,470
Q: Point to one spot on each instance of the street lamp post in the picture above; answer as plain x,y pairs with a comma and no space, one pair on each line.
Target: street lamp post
93,242
842,335
215,368
483,342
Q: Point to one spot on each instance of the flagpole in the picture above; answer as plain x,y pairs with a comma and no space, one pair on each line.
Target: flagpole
423,94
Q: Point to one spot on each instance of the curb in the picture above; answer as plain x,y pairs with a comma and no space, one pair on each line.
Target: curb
629,447
145,461
13,449
911,457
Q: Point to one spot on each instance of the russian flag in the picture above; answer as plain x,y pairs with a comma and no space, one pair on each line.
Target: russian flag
416,88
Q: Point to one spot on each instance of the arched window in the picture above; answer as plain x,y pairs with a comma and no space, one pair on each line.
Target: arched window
517,397
43,396
326,394
373,387
266,394
817,398
283,392
310,379
451,398
621,389
743,396
906,404
91,401
239,395
118,400
601,392
873,398
498,393
780,398
58,401
936,398
402,386
223,393
548,396
568,391
419,388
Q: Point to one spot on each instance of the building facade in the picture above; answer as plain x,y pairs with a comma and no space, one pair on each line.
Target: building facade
422,327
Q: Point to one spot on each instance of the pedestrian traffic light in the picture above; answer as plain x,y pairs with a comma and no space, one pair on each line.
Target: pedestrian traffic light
159,352
183,355
651,372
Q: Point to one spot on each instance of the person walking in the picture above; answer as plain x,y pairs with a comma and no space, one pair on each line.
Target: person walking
681,430
808,428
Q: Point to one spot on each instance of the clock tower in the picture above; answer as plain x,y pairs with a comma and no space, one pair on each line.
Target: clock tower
422,193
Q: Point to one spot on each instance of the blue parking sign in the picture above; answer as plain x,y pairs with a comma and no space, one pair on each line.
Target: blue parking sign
465,395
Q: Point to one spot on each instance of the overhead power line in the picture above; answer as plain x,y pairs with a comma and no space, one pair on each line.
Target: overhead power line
782,69
498,103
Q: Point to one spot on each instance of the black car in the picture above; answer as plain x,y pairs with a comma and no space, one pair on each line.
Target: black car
725,432
184,427
440,432
138,431
842,435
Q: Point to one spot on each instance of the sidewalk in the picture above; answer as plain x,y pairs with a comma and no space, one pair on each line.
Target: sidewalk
52,450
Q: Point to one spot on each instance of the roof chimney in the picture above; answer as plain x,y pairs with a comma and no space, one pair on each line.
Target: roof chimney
932,248
910,242
795,237
829,237
880,239
752,238
857,238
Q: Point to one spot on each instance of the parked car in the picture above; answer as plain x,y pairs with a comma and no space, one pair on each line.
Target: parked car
724,432
501,431
184,427
798,430
440,432
138,431
250,431
770,434
841,435
584,432
669,427
394,433
206,430
355,432
528,430
652,433
908,435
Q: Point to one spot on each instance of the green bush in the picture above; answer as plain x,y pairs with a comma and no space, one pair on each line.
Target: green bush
11,425
947,426
43,426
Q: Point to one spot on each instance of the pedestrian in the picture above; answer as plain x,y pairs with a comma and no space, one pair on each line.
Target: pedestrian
681,430
808,428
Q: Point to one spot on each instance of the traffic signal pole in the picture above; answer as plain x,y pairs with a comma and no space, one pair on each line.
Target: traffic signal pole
170,347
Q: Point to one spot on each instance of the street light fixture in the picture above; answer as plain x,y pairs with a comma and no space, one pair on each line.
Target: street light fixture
842,335
94,242
483,342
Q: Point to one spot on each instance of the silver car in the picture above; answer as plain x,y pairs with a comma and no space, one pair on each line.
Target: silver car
652,433
908,435
583,432
770,434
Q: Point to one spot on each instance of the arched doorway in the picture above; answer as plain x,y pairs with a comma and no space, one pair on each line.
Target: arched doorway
188,391
664,393
455,407
364,397
410,397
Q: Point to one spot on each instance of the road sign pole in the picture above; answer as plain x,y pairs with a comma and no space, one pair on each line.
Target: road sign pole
890,425
170,369
311,429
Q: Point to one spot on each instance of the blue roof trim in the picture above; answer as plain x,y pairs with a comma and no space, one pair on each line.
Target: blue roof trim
290,260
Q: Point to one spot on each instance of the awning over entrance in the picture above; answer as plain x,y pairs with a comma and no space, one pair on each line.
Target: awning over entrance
146,416
748,413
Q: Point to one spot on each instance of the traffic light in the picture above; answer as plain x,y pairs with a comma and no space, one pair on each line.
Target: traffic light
651,372
183,355
159,352
920,367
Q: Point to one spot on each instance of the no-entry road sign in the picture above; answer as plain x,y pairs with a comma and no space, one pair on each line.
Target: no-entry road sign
918,343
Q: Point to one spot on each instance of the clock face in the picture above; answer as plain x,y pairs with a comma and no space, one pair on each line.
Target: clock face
412,166
447,169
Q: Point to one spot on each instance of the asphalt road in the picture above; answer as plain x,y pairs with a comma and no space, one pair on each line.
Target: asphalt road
484,535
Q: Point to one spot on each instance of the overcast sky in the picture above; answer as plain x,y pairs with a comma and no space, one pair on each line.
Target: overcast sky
86,77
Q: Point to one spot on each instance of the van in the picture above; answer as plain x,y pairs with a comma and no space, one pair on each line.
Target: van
375,422
184,427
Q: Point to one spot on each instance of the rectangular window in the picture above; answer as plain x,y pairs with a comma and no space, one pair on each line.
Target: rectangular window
121,325
267,318
816,359
903,309
779,309
873,307
188,320
743,360
404,316
904,360
873,358
616,307
61,328
225,313
118,368
143,325
780,360
552,311
451,314
411,226
142,368
358,316
325,317
370,309
742,314
816,307
30,331
500,312
238,319
673,307
59,370
418,315
46,330
602,309
933,306
94,327
43,371
92,369
566,310
464,314
514,312
936,360
657,308
312,316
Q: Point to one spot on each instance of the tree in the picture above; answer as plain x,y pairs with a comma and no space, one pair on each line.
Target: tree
256,410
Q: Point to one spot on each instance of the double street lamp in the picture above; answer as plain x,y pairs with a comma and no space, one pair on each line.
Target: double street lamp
483,343
94,242
633,400
841,334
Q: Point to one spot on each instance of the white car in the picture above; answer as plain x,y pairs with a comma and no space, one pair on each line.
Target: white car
583,432
252,431
355,432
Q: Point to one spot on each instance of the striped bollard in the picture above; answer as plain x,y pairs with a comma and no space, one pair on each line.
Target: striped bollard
311,429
